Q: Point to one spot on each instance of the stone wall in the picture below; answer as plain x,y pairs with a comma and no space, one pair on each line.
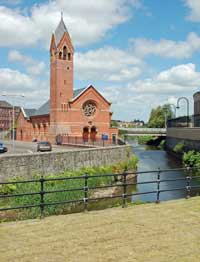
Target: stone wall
56,162
189,136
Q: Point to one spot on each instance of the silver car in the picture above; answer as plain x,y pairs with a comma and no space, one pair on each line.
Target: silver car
44,146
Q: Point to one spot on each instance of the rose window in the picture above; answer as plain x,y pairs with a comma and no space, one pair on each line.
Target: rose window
89,108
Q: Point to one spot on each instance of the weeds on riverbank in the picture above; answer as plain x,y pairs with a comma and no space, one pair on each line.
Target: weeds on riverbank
143,140
130,164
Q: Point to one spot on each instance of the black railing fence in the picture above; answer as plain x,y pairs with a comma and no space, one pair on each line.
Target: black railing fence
76,140
86,189
184,121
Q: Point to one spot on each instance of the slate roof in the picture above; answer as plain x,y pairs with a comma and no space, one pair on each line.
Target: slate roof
45,108
5,104
60,30
29,112
78,91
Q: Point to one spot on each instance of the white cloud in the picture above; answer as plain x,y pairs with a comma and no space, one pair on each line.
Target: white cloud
135,99
179,79
194,6
13,79
16,56
107,64
15,82
87,21
33,67
167,48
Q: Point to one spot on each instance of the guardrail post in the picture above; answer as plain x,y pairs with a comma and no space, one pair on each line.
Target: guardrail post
188,182
42,197
124,190
85,199
158,187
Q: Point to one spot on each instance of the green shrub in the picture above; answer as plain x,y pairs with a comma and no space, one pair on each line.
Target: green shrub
191,158
7,189
144,139
162,144
179,148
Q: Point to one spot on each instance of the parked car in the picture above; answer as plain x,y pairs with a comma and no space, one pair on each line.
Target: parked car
44,146
3,148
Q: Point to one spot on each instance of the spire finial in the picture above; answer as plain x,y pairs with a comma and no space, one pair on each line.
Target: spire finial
61,14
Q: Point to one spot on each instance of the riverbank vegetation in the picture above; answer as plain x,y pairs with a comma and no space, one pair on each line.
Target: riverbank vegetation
143,140
118,168
191,158
179,148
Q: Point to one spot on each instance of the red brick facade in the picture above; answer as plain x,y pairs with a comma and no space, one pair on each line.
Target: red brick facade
82,113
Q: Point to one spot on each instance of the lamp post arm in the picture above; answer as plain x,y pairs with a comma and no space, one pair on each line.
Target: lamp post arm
187,102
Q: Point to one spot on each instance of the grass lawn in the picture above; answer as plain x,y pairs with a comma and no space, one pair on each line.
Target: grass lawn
167,232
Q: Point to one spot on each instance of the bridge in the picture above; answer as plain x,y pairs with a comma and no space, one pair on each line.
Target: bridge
144,131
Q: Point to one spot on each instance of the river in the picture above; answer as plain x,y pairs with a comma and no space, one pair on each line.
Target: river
152,159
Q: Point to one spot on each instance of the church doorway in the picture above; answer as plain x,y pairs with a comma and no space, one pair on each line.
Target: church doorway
85,133
21,135
93,133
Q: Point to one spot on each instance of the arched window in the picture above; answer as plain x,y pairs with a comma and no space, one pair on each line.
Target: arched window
69,56
60,55
64,52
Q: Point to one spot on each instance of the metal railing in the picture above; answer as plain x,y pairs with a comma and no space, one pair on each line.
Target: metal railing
143,130
75,140
184,121
88,198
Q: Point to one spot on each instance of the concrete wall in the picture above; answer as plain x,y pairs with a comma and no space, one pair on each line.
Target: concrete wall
57,162
189,136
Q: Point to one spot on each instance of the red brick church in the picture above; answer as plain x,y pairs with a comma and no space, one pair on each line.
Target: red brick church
83,113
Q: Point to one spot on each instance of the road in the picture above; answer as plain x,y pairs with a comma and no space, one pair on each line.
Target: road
21,147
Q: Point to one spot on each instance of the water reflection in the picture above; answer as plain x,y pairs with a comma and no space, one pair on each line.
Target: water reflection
152,159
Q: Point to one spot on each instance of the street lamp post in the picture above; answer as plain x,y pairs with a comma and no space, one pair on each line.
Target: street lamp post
174,109
13,118
187,102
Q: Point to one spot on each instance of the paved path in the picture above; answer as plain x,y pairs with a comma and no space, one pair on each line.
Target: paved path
29,147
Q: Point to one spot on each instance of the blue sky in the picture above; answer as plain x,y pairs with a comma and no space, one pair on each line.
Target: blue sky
138,53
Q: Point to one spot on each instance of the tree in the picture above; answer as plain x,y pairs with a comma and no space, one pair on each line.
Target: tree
159,115
114,123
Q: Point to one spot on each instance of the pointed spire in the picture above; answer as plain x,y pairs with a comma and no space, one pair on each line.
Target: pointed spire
60,30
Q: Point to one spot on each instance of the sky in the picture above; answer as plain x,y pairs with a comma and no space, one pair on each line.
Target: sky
138,53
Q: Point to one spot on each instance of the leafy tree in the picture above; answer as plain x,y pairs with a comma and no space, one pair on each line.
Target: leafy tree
158,116
114,123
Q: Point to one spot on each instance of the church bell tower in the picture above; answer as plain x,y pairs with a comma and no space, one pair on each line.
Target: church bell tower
61,78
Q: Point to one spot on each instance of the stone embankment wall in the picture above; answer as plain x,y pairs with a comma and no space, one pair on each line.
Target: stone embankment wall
56,162
189,136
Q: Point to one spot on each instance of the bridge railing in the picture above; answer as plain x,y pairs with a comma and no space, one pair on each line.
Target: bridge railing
88,186
144,130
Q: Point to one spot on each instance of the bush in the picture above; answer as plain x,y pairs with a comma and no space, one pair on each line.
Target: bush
144,139
162,144
179,148
191,158
7,189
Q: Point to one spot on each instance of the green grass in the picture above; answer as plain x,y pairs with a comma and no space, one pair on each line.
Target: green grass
165,232
59,185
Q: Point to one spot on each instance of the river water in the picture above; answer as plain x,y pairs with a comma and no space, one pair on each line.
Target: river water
152,159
